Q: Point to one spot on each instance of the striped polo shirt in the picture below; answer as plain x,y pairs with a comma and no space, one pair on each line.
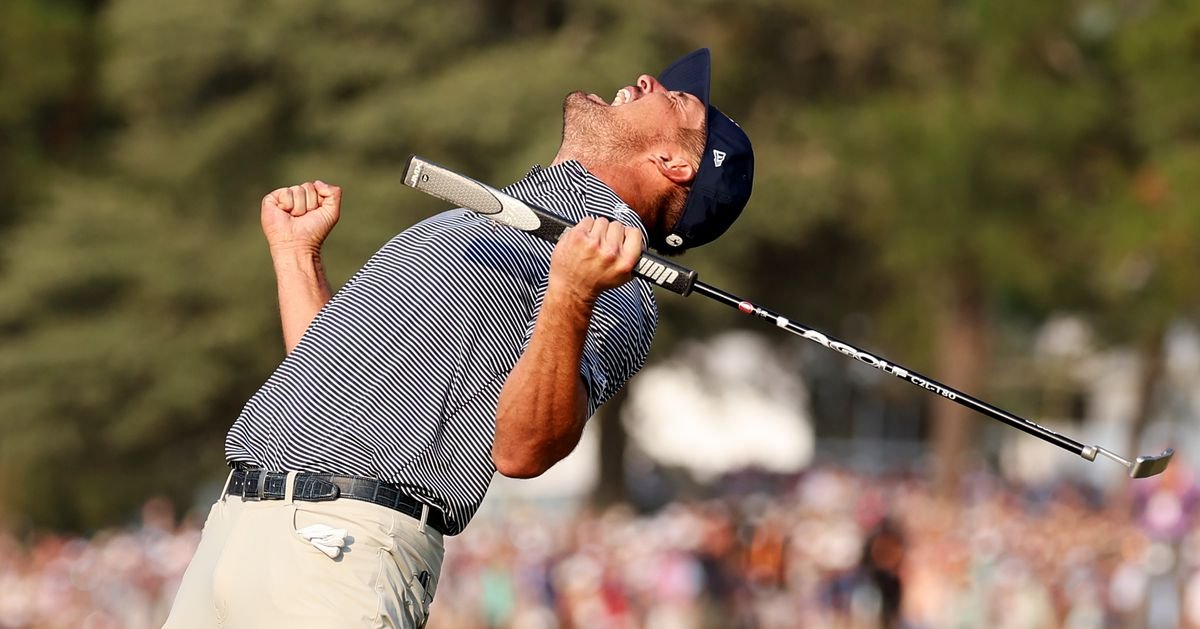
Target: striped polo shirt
398,375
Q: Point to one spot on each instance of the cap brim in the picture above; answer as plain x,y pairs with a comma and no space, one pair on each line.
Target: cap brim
691,73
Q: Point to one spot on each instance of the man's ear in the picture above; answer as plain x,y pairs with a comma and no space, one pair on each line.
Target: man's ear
674,166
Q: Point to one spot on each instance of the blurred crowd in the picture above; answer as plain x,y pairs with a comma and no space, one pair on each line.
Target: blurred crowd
119,578
827,548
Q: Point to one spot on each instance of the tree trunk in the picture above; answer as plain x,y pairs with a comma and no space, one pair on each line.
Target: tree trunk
961,357
610,487
1151,354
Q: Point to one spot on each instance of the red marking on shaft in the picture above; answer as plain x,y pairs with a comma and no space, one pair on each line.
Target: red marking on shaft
746,307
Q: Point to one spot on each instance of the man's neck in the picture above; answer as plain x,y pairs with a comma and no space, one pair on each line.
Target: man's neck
622,179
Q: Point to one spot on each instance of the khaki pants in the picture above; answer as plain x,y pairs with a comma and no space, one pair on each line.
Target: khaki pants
252,569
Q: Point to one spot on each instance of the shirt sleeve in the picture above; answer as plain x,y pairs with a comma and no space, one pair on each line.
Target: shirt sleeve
621,330
618,340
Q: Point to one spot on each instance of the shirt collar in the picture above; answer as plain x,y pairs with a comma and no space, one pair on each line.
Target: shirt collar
597,197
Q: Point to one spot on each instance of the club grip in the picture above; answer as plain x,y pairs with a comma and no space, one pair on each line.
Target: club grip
467,193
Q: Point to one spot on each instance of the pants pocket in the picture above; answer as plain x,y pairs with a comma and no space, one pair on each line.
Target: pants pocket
408,586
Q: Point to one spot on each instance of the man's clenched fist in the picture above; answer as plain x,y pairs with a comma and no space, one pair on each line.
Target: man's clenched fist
595,255
301,216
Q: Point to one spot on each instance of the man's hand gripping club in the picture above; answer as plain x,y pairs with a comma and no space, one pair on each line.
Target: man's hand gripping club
594,256
541,411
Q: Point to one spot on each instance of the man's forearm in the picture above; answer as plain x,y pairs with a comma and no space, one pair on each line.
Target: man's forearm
540,413
303,291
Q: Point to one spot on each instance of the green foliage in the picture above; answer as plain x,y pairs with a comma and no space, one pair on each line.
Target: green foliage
1148,269
40,48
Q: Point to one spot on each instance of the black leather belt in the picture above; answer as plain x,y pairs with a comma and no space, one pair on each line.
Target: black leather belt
256,483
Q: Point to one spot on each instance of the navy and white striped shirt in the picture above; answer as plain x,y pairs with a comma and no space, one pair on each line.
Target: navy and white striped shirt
398,376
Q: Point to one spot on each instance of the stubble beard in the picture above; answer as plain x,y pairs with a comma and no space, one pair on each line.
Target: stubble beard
597,136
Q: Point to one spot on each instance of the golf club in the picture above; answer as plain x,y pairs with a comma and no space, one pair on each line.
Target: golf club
472,195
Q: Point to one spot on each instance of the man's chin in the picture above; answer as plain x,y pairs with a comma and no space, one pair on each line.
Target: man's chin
584,117
580,99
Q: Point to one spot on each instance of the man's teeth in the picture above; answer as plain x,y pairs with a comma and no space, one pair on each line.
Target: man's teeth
622,97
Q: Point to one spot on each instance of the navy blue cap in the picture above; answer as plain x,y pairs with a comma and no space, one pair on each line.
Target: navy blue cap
722,184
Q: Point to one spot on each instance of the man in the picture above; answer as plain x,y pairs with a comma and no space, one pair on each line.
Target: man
462,348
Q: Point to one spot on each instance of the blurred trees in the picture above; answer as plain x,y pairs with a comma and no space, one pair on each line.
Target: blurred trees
45,109
45,93
929,168
960,166
1147,273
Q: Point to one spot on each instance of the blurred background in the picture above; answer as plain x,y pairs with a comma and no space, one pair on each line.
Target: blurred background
1002,195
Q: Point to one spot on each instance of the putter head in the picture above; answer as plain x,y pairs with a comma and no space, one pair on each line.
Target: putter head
1145,466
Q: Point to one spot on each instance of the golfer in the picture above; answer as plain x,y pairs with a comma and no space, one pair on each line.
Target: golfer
461,348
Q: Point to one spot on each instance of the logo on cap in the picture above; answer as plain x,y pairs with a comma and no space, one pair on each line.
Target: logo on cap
718,158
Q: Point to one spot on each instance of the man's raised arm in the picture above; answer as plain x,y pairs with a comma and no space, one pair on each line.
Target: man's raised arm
296,221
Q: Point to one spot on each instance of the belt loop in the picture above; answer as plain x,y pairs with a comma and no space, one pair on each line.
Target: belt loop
262,482
225,488
424,518
289,488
